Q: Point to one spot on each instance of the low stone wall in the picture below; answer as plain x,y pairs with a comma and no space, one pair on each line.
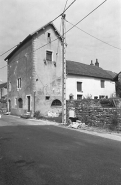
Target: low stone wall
91,112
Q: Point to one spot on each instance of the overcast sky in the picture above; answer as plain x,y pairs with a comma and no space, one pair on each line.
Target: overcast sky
19,18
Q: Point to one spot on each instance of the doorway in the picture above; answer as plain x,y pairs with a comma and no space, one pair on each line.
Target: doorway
9,105
28,103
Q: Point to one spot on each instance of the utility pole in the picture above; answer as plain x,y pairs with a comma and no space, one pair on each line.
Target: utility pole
63,72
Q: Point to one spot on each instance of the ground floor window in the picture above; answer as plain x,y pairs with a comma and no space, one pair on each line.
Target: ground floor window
56,103
79,96
20,103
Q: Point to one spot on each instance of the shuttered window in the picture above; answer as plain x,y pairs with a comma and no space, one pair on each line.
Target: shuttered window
49,55
102,84
79,86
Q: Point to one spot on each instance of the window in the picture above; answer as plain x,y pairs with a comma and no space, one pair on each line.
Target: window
9,86
95,97
15,101
71,97
101,97
49,55
102,84
79,86
20,103
47,97
79,97
56,103
48,35
19,83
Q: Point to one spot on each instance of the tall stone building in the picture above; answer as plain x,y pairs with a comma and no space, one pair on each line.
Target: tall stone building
35,73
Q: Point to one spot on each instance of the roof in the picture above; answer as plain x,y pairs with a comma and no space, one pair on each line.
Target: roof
116,76
3,85
76,68
113,74
30,36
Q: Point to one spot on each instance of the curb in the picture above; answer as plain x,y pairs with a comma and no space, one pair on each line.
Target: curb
111,136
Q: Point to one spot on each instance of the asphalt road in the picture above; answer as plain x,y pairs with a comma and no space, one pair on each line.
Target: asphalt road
50,155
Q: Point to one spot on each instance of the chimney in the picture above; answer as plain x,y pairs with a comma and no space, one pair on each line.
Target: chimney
97,63
91,63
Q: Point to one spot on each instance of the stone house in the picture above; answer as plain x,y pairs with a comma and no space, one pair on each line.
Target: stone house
34,73
88,81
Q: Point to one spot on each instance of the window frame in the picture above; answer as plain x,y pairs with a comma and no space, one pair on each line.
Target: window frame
79,95
19,82
16,101
79,89
49,51
9,87
102,83
55,104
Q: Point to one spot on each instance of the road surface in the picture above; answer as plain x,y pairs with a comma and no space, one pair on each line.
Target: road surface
51,155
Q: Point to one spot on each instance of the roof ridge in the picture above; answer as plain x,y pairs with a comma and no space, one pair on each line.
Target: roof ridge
78,68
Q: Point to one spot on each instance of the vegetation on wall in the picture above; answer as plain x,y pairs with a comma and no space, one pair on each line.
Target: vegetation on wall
118,89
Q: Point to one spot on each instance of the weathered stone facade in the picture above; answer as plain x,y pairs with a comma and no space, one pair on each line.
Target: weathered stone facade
40,80
20,66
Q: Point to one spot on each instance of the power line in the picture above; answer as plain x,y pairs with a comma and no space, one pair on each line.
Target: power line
86,16
8,50
3,67
65,32
65,9
94,36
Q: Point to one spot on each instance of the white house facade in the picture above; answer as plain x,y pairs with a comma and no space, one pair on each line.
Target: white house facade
88,81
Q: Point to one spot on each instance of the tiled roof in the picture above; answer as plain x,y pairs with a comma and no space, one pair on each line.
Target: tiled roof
76,68
113,74
3,85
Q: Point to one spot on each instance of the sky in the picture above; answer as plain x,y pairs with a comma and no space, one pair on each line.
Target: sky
19,18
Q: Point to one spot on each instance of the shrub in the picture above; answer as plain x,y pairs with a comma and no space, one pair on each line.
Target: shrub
37,114
107,103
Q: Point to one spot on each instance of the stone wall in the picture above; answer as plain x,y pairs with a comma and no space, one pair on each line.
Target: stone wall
92,112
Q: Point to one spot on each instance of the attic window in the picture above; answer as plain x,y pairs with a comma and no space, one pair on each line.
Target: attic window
48,35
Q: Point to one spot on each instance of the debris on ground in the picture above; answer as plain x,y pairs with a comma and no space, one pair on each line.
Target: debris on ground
77,124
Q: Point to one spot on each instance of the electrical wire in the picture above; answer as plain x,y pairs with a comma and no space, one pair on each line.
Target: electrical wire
66,31
8,50
86,16
3,67
49,22
94,36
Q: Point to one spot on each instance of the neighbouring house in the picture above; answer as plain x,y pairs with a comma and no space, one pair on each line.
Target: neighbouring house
88,81
34,73
117,79
3,95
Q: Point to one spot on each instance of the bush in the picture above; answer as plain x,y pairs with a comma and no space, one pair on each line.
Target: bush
107,103
37,115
